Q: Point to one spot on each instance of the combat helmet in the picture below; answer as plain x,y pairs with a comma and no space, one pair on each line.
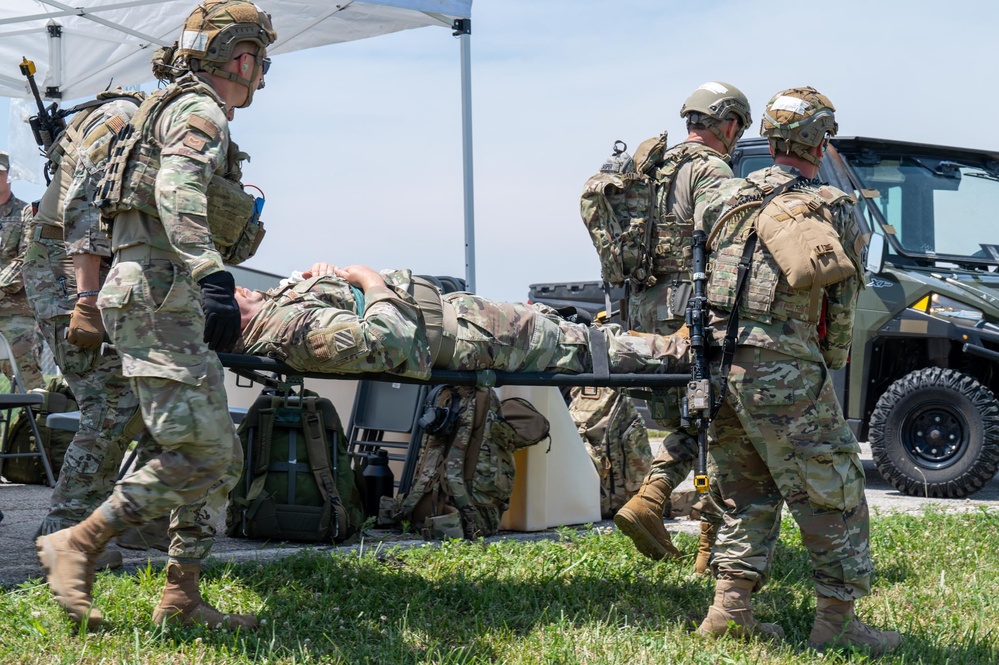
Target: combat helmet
798,119
711,104
209,37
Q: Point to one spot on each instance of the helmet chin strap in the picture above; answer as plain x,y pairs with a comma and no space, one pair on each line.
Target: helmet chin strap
728,143
236,78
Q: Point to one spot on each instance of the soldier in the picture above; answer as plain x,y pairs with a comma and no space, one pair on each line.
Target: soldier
780,434
16,320
402,324
65,262
717,114
168,304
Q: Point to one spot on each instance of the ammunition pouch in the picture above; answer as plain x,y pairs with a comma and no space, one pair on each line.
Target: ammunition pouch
232,218
800,233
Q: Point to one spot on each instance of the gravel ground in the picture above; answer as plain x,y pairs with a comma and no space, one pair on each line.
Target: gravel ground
24,506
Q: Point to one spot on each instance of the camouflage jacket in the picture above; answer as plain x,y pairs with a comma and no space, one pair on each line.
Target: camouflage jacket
315,326
12,245
791,336
193,133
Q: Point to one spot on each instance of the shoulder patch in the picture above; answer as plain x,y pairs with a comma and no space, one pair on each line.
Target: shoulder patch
203,125
195,142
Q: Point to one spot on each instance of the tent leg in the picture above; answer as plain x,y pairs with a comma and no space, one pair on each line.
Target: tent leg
463,30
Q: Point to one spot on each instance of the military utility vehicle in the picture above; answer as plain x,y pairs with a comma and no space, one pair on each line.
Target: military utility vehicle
922,378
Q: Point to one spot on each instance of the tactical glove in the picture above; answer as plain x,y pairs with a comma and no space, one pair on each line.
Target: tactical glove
86,329
218,297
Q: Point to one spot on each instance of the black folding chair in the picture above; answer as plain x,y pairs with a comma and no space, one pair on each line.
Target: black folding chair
18,398
381,407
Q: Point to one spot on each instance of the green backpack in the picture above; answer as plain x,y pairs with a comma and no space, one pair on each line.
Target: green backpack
618,207
617,441
297,481
464,475
29,470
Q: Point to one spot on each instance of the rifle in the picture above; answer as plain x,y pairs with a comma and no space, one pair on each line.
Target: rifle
698,403
49,122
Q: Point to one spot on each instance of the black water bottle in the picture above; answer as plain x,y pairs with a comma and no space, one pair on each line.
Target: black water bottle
378,481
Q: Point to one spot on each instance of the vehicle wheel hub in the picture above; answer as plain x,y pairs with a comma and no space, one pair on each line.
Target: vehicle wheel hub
935,437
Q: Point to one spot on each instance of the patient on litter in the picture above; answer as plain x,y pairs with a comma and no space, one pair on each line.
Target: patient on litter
356,320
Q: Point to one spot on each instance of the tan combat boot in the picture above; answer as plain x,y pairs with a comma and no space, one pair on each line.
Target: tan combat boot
149,536
182,602
641,519
709,531
69,557
837,626
731,613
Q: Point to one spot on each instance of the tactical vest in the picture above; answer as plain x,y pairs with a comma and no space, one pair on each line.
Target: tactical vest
770,294
671,246
129,182
76,143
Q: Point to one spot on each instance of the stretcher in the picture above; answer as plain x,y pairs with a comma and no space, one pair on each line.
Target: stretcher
553,486
257,369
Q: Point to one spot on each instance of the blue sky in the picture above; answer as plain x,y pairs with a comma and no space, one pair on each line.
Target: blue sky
358,146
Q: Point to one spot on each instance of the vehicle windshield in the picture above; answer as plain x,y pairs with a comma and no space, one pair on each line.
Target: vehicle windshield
934,206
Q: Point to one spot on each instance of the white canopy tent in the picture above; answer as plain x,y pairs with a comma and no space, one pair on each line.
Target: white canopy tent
81,50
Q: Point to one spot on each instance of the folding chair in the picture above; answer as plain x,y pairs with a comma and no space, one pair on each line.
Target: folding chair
18,398
381,407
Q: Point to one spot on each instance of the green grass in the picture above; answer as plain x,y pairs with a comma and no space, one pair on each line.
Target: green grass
581,598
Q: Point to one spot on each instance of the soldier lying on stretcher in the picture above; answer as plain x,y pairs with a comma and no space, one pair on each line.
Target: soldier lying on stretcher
353,319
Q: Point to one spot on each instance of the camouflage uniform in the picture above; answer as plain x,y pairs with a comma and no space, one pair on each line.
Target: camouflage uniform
17,323
152,309
67,224
661,307
315,326
781,434
617,440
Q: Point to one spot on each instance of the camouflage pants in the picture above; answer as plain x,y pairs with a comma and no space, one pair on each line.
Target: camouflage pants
517,337
19,327
106,403
781,436
153,313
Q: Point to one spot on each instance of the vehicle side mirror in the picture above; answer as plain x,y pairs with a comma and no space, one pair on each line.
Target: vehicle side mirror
874,261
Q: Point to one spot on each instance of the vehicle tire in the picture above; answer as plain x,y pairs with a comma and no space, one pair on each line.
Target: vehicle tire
935,433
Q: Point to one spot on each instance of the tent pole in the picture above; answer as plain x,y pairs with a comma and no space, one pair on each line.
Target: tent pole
463,30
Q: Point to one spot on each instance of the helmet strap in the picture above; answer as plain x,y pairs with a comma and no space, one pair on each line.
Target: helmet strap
715,128
799,149
247,83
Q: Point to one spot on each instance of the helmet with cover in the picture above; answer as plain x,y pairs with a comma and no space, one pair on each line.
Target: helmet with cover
711,105
211,34
797,120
